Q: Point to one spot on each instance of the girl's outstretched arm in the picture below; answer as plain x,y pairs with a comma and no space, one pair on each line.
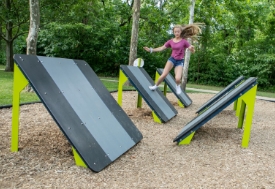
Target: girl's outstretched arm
154,49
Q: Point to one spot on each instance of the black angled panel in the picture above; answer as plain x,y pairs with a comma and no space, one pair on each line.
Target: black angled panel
170,81
85,111
155,99
216,108
221,94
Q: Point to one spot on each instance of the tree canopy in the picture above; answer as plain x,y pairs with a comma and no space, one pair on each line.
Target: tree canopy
238,37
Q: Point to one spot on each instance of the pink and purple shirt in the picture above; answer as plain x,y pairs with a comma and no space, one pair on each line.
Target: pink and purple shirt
178,48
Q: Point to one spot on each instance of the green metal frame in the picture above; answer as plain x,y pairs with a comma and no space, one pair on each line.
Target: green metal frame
121,81
165,89
247,101
19,83
244,102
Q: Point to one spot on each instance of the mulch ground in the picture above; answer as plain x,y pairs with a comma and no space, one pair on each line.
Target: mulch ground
213,159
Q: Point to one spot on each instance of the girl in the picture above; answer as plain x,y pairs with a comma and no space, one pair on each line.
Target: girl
178,45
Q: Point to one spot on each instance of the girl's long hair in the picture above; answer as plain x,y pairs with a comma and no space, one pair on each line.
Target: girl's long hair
190,30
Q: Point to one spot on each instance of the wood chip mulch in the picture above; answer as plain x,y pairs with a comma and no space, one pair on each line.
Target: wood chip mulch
213,159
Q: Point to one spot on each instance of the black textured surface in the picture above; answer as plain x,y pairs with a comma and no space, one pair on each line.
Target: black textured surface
170,81
155,99
62,99
221,104
221,94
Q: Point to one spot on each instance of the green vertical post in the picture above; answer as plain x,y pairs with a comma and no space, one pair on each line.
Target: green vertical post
139,100
121,81
155,117
249,99
187,140
19,83
241,114
78,159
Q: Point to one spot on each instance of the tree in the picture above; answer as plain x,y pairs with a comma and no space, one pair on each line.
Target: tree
34,27
134,36
188,53
33,30
13,18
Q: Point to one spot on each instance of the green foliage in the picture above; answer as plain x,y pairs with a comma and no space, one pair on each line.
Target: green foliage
238,37
2,58
238,40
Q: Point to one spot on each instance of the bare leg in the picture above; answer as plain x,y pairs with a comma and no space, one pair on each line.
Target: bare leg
178,74
166,70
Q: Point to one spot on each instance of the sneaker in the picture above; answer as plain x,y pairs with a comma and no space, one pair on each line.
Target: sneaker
152,88
178,89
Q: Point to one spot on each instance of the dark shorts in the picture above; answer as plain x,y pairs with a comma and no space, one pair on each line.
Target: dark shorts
176,62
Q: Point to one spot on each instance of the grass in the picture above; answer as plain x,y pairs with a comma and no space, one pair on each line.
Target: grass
6,88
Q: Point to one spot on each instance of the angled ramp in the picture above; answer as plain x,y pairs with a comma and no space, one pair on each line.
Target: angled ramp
159,104
246,91
170,81
96,126
221,94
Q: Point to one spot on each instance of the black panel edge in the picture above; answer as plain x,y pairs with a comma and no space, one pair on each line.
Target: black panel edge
220,94
209,114
159,92
135,83
85,133
137,86
182,100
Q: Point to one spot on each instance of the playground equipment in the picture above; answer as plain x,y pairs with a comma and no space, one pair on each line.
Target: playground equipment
220,94
183,99
244,94
90,118
162,109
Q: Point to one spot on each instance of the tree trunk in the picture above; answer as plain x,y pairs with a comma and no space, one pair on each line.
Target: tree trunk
34,27
188,53
33,31
9,41
134,36
9,47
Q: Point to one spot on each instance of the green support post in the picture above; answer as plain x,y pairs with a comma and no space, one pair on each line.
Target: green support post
187,140
139,100
156,118
19,83
78,159
247,101
121,81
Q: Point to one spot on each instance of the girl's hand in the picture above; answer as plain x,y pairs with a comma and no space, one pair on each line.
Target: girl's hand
192,48
147,49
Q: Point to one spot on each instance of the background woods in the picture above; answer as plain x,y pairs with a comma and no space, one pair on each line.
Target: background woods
238,37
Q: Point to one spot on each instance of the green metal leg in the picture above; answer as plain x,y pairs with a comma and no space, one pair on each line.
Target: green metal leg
19,83
238,106
78,159
180,104
165,89
156,118
235,105
249,99
121,81
187,140
241,114
139,101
